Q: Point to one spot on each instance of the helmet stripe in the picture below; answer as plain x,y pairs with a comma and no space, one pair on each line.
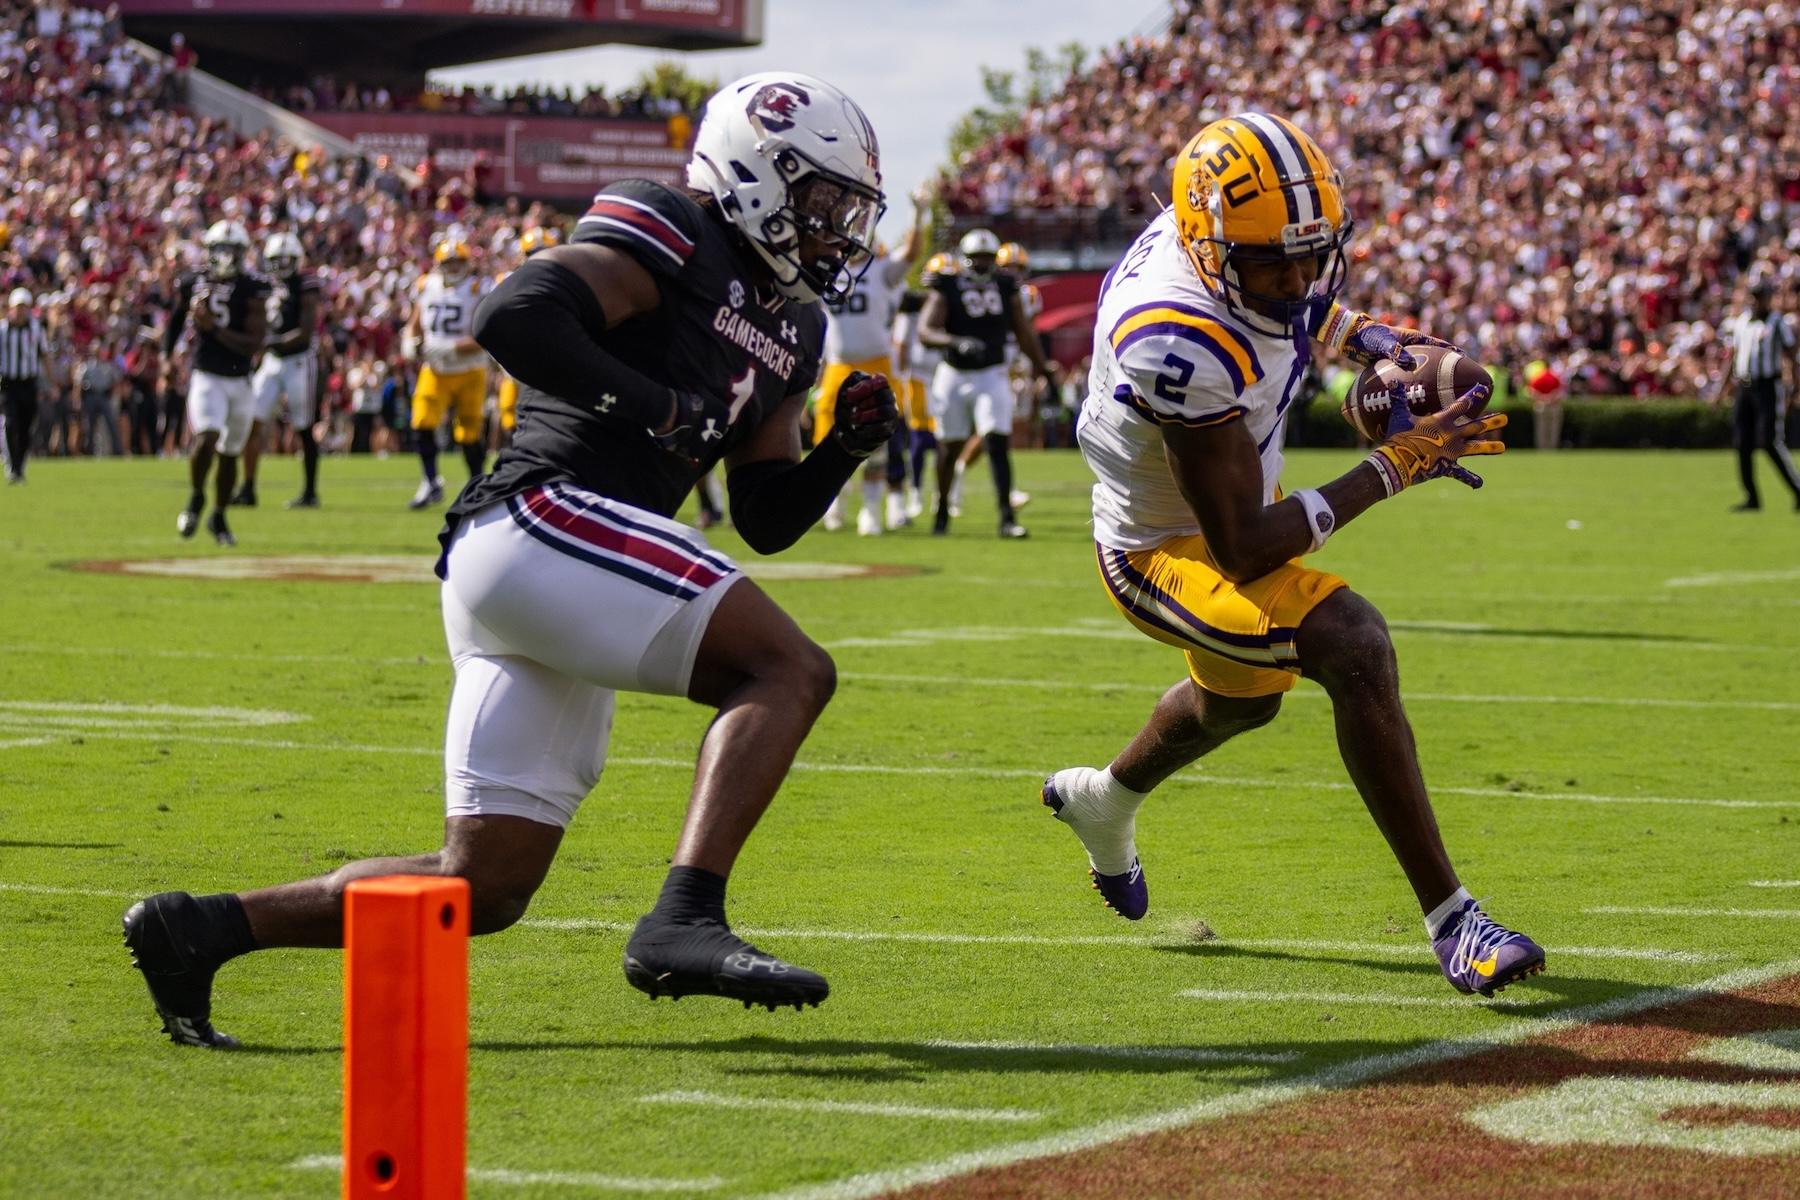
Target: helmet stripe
1291,159
1283,170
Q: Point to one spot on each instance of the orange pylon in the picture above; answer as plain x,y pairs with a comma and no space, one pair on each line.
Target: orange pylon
406,1038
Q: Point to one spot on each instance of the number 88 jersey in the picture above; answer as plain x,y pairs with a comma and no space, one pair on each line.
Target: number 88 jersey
976,306
1167,351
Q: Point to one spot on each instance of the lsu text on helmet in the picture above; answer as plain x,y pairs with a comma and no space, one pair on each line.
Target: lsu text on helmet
282,254
794,166
978,251
1254,188
226,244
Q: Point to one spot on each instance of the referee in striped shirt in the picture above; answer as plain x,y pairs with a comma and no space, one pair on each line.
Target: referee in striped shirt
1762,342
22,346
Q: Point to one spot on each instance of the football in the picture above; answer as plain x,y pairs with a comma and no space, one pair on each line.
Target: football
1441,376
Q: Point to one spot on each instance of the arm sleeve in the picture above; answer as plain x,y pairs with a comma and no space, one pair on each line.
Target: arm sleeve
773,502
540,326
1183,367
184,296
656,225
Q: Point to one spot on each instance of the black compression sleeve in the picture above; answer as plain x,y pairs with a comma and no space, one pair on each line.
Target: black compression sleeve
184,296
540,324
774,502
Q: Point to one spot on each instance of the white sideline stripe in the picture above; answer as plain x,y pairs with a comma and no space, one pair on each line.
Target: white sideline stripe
1775,883
1154,1053
1252,1099
1312,694
38,889
687,764
1732,578
436,660
16,743
845,1107
581,1179
1384,999
1654,910
1152,941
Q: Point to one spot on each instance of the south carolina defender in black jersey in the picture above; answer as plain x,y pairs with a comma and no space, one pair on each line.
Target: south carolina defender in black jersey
675,331
290,370
228,307
969,314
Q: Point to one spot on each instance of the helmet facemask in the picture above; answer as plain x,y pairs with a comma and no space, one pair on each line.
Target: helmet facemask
1218,262
225,260
823,237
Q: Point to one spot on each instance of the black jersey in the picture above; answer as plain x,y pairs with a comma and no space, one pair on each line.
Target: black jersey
976,307
231,301
712,334
284,310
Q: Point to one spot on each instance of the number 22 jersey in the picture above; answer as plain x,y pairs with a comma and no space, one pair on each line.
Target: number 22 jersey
1168,351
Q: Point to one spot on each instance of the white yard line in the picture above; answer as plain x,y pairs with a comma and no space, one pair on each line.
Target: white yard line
1774,883
1252,1099
1383,999
20,743
1146,1053
843,1107
576,1179
1656,910
1732,578
967,772
39,889
1125,941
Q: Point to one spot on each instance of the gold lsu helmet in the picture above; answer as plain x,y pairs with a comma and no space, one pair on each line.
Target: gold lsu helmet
1254,186
453,257
1012,257
940,264
540,237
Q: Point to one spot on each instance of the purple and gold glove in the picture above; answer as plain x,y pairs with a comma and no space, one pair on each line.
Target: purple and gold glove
1365,341
1428,447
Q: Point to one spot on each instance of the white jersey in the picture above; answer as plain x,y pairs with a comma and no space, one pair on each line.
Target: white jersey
1167,350
446,317
858,327
921,360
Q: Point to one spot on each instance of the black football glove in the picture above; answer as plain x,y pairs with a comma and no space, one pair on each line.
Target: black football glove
866,414
700,421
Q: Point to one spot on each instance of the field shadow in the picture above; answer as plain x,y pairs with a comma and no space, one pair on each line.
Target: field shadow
1565,989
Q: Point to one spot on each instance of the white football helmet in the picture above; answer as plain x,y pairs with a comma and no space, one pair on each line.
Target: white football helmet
226,244
979,244
795,167
282,254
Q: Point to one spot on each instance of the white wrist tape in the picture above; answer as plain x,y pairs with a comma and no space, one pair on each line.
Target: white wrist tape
1320,520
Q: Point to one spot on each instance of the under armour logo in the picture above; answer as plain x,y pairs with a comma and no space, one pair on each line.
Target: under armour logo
789,332
736,294
607,400
712,432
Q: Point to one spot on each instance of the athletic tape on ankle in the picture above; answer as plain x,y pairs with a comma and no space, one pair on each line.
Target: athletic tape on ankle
1320,520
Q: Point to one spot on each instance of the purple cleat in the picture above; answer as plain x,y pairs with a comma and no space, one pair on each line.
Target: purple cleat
1478,955
1124,893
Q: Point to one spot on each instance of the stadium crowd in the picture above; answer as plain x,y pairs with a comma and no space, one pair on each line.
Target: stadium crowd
105,190
329,93
1587,183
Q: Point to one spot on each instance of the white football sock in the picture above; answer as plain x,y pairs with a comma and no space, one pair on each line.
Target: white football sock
1103,813
1434,920
872,489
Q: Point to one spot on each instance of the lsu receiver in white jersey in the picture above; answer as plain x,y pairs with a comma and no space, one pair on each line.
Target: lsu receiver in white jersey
446,316
860,325
1168,351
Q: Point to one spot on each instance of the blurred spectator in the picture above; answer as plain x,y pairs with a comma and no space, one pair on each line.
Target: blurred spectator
101,385
1577,182
143,365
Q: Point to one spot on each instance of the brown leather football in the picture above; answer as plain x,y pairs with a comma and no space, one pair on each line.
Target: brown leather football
1441,376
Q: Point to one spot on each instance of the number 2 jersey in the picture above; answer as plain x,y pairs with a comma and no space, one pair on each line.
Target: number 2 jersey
711,334
231,301
1168,351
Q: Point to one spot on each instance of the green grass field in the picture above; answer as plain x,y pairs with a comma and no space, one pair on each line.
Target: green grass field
1601,666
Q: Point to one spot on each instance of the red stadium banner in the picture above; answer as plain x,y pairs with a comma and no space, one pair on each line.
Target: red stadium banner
677,14
563,159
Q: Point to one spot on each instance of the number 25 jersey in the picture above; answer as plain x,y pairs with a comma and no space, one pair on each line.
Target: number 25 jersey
1168,351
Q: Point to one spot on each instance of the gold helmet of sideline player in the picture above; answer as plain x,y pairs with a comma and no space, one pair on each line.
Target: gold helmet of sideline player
454,259
541,237
1012,257
940,264
1254,187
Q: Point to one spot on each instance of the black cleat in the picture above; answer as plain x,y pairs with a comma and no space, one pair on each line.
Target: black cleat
221,532
187,522
159,934
304,500
704,958
1013,531
940,523
246,496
